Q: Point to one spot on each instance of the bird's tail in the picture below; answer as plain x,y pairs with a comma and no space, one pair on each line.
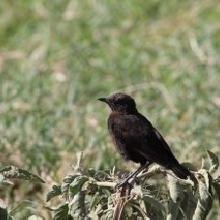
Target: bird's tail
181,172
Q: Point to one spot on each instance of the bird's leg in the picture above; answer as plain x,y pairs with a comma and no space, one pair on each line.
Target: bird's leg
133,175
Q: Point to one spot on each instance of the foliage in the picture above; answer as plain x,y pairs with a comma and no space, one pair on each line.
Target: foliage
93,194
12,172
57,58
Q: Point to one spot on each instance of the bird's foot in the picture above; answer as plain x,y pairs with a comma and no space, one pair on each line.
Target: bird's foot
124,183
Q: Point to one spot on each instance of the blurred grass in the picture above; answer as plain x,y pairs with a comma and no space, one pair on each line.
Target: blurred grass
57,58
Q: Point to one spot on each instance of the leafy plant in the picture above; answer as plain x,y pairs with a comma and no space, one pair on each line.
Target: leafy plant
92,194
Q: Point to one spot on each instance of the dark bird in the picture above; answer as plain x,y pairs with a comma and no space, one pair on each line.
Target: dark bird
136,139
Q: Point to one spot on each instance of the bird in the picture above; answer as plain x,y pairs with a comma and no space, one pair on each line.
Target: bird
136,139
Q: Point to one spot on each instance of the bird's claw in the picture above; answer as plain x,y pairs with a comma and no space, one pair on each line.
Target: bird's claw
123,183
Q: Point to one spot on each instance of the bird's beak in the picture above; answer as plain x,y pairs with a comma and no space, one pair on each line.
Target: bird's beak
103,100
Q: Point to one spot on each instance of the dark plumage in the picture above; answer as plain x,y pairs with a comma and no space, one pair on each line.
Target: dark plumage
136,139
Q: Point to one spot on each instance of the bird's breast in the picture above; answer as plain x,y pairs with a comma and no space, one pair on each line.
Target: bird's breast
115,128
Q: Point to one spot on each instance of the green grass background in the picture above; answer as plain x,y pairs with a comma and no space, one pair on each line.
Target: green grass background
58,57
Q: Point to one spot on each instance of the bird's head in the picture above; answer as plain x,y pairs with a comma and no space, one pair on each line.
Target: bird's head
120,102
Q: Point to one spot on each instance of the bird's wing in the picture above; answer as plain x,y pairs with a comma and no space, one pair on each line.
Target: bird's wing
161,139
143,138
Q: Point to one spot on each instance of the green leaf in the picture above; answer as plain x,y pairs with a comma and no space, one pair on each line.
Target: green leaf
56,190
141,212
4,214
5,169
154,205
29,176
216,185
70,178
77,208
213,160
12,172
66,182
204,203
1,178
77,184
61,213
175,189
35,217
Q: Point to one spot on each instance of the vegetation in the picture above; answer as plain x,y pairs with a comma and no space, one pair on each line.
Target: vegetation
58,57
93,194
